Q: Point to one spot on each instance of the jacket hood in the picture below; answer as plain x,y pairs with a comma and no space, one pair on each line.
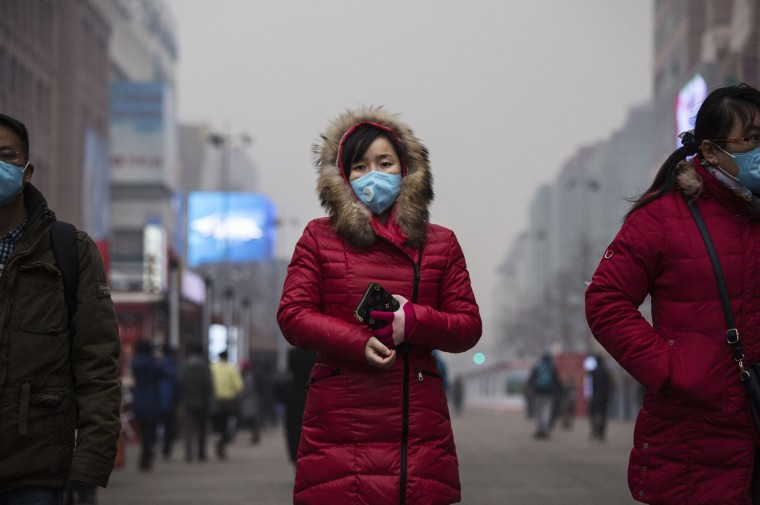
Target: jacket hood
350,219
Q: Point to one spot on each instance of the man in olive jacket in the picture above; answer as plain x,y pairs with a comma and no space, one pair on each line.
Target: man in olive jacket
59,381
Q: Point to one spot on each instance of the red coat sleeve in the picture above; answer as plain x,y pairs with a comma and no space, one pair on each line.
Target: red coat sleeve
456,325
299,316
621,283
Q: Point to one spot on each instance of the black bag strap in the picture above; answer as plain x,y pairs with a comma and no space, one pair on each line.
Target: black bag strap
732,334
63,238
417,269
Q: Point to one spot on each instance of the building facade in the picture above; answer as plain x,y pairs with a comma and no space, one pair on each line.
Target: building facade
717,41
54,78
698,45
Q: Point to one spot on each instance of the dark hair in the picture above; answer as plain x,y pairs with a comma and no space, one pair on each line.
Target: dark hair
19,129
356,145
195,348
143,347
715,119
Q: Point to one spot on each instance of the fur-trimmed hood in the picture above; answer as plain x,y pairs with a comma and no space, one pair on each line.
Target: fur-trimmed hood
694,179
350,219
689,181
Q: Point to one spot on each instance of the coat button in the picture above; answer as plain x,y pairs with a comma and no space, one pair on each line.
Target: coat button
643,468
645,445
671,343
641,493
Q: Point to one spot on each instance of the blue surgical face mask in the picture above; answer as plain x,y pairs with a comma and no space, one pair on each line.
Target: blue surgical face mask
749,168
11,182
377,190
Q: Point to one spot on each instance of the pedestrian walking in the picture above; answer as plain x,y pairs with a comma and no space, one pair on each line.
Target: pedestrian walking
599,386
545,387
457,395
567,404
228,384
59,343
293,393
148,374
196,396
249,402
376,427
169,386
694,441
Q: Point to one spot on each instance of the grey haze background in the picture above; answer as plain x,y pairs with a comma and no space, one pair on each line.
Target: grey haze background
502,92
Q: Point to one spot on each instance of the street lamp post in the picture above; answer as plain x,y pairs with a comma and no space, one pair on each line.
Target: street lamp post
208,310
226,143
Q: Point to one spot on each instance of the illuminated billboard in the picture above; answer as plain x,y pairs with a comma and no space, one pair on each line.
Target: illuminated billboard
229,227
688,101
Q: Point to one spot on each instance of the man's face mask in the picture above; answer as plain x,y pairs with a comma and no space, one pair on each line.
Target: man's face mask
11,182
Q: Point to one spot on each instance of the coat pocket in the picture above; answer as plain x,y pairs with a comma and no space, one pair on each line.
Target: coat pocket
326,391
698,370
38,302
421,374
321,374
45,429
38,408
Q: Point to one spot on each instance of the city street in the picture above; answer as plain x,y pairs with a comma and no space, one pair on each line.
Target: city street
500,463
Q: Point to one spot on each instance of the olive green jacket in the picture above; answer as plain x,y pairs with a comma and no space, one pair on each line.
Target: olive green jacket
59,389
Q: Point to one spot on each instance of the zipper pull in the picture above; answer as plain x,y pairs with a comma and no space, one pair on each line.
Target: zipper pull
419,374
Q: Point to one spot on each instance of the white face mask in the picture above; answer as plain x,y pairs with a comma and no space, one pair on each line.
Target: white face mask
377,190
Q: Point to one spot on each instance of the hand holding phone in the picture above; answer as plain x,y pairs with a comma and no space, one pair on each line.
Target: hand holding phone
375,299
402,323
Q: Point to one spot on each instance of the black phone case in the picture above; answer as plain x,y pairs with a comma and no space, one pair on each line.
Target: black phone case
375,298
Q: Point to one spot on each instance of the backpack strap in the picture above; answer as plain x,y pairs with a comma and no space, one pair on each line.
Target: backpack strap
63,238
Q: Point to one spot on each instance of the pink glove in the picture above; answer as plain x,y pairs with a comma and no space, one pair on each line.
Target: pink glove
401,323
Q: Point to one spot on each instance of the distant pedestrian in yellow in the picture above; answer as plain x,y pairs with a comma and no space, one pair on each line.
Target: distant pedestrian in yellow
228,384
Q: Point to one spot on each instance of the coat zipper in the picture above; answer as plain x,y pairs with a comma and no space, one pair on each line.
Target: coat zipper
404,425
405,412
421,373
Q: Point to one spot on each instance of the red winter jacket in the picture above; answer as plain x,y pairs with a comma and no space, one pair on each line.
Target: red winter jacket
693,441
371,435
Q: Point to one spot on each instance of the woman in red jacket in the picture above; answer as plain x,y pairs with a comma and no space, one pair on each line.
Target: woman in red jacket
376,427
694,442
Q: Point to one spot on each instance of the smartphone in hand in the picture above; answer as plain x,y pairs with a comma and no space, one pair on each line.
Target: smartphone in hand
375,298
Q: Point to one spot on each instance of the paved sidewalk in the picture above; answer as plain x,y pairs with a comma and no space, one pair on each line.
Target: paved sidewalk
500,464
252,474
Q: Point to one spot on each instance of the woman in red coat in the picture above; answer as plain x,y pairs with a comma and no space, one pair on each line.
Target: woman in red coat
694,441
376,427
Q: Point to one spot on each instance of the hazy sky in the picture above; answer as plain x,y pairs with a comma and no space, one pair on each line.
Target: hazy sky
502,92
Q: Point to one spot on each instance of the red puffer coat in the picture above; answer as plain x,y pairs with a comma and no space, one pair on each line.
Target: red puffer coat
693,442
371,435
